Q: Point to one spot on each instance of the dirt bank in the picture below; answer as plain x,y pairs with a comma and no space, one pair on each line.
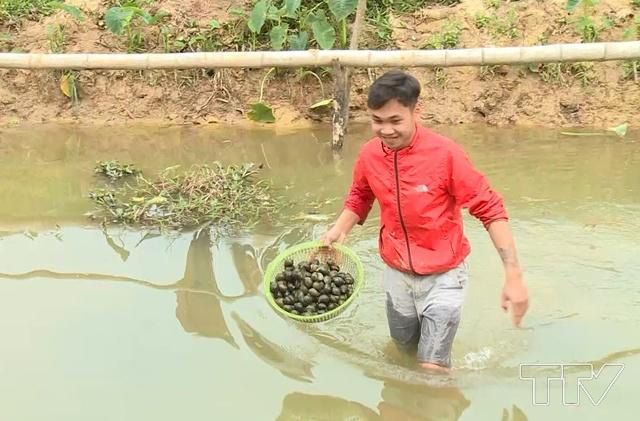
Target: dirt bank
599,94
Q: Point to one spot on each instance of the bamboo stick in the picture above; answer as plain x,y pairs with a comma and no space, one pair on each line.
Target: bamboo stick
604,51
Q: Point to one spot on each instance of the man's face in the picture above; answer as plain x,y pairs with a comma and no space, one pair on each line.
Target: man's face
394,124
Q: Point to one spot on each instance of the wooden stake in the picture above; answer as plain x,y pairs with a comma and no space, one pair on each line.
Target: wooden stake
341,87
342,84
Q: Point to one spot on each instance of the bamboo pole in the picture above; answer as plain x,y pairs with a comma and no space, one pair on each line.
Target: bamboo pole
604,51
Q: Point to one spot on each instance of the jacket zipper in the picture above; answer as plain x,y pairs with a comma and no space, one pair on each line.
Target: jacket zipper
404,228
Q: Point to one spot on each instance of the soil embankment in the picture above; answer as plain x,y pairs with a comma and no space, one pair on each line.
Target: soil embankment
583,94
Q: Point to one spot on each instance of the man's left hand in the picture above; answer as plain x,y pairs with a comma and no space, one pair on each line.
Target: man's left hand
515,295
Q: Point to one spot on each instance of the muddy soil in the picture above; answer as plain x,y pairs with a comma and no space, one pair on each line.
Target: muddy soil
590,94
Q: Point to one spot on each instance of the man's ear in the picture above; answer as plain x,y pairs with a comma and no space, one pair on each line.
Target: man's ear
417,110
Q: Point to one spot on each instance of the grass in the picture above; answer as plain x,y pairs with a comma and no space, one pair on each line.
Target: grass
201,195
587,29
6,42
191,38
487,72
57,38
440,77
630,69
449,37
561,73
408,6
497,26
378,12
583,72
12,10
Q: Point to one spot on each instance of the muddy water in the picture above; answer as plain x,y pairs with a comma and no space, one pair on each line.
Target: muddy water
123,325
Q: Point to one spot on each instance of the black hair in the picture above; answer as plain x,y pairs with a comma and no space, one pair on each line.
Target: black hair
397,85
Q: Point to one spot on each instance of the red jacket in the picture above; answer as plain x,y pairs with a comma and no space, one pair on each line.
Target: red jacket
421,190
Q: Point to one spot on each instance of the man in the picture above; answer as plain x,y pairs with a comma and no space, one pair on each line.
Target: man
421,181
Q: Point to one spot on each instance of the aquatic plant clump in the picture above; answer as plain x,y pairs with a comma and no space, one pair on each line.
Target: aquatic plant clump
115,170
217,195
312,288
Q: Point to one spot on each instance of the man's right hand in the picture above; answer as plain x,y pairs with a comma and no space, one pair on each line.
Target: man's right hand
340,229
335,234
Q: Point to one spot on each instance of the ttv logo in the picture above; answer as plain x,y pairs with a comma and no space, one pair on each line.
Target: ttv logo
574,379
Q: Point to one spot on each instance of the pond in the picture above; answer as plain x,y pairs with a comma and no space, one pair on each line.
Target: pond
108,324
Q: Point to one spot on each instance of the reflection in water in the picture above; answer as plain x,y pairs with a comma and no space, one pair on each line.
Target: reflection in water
273,354
118,248
516,414
198,311
406,402
245,261
301,406
400,402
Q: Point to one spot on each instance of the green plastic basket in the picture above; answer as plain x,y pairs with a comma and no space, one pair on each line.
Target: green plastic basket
343,256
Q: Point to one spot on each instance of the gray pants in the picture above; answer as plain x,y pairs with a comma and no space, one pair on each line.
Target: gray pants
425,310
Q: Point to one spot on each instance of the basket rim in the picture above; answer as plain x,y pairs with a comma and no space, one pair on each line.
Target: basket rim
270,272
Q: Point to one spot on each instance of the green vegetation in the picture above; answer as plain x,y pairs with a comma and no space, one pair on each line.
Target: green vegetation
6,42
127,18
298,25
69,85
587,29
378,13
497,26
487,72
585,25
201,195
302,24
440,77
630,69
12,10
619,130
261,111
408,6
561,73
191,38
634,31
57,38
72,10
115,170
449,36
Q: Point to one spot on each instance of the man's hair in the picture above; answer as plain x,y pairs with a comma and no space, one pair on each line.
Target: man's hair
396,85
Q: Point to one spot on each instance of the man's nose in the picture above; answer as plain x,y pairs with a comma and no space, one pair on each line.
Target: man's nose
386,130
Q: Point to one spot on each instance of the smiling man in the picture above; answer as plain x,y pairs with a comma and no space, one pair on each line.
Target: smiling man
421,181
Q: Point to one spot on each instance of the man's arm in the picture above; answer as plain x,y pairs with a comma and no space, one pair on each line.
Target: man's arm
514,291
341,228
356,206
471,190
